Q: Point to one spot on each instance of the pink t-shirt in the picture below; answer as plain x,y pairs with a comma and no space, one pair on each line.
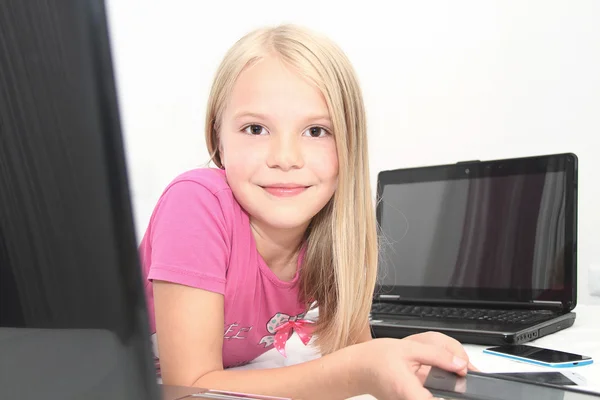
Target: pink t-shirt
200,236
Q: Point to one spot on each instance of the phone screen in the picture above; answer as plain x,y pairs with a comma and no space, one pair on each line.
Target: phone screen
539,354
553,378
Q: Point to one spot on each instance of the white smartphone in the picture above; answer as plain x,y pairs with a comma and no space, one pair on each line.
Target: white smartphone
540,356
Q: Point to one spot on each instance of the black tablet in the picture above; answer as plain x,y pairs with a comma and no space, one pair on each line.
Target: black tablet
481,386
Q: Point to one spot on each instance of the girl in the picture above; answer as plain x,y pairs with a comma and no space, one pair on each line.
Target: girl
236,256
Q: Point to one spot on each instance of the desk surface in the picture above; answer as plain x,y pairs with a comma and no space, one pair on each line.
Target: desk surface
582,338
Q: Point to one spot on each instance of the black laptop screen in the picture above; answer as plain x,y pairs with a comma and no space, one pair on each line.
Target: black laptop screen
73,320
495,234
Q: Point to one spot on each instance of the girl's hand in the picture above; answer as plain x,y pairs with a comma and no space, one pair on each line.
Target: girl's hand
389,368
438,339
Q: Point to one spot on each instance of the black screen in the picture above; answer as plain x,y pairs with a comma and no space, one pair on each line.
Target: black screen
480,386
539,354
72,314
495,232
554,378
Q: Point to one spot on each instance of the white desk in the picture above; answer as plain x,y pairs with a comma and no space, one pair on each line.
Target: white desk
582,338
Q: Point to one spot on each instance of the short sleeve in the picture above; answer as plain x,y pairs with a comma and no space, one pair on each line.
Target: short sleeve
189,238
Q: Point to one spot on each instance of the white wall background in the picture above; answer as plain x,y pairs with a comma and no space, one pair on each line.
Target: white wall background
444,81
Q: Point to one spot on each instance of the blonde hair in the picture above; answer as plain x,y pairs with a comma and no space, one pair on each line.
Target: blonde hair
339,267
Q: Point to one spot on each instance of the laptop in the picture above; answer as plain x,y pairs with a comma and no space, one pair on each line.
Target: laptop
483,251
73,318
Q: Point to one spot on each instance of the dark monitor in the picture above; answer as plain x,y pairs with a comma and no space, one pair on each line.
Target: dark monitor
482,231
73,322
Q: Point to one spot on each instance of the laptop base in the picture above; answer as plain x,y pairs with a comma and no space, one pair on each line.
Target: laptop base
470,332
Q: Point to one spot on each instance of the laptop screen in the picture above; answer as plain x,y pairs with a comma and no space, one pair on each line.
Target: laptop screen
479,230
73,322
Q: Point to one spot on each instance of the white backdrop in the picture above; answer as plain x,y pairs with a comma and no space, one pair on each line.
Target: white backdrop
444,81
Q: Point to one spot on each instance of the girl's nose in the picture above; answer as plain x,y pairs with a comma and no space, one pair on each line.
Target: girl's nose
285,153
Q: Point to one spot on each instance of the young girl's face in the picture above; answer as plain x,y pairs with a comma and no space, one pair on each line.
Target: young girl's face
277,145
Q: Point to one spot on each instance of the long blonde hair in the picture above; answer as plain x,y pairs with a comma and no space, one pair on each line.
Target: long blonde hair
340,264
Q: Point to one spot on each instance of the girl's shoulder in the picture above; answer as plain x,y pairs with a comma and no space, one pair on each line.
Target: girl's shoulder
200,191
212,179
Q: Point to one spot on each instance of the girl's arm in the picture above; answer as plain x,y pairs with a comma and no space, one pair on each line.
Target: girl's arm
330,377
190,324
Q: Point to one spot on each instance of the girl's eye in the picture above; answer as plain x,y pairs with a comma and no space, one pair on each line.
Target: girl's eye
316,131
255,130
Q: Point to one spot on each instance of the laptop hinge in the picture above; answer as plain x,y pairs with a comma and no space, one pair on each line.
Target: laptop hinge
547,303
556,305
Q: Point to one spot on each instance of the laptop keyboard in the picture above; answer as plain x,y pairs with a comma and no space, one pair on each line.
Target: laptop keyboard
472,314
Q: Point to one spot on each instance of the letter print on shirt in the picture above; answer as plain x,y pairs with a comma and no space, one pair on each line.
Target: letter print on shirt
235,331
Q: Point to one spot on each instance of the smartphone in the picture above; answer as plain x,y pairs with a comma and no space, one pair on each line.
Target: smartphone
564,378
539,356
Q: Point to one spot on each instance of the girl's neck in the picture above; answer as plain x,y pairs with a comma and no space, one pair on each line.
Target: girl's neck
278,247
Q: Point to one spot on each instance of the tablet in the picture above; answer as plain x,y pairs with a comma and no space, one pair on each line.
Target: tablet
480,386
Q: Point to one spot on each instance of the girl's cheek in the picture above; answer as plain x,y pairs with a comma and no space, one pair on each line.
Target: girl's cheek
323,158
246,156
